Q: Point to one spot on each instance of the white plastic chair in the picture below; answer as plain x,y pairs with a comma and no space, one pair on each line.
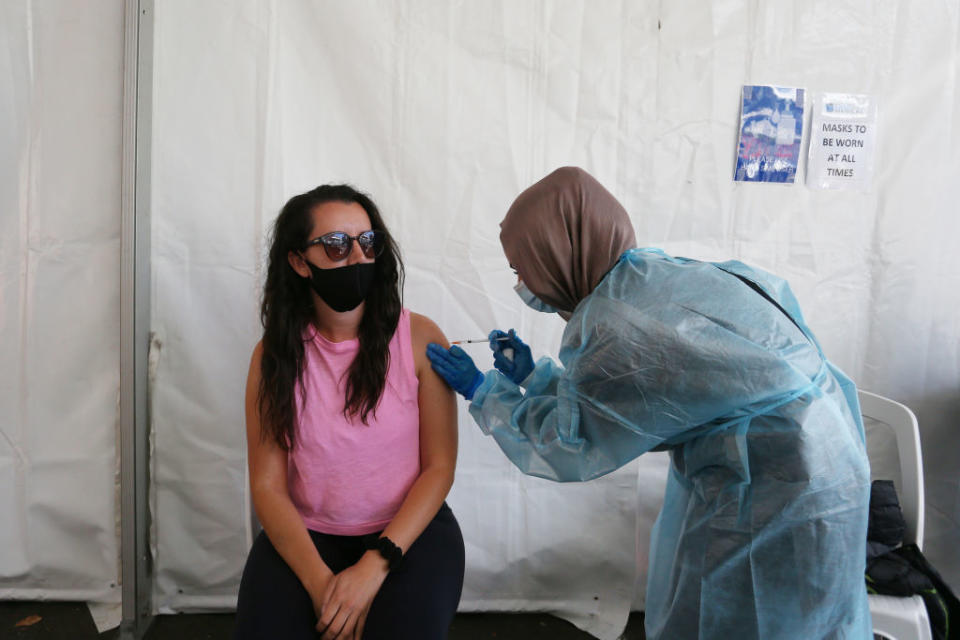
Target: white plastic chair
893,617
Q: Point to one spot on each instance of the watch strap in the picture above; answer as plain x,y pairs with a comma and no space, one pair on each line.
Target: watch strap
386,548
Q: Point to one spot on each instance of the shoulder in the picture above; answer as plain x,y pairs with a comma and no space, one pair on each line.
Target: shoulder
423,331
253,374
257,355
256,358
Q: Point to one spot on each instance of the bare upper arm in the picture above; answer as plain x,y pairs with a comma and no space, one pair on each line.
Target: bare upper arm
423,331
266,460
438,405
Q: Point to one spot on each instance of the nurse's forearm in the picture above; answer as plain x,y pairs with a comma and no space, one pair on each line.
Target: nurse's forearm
558,438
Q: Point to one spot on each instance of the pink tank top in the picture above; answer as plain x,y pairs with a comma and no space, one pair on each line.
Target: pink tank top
345,477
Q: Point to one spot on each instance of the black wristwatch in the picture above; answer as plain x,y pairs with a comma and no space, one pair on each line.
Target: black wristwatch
391,552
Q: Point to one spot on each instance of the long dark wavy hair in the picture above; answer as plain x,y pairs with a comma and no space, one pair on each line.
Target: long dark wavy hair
287,311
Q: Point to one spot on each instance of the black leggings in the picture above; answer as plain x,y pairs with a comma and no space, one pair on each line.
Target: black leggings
416,601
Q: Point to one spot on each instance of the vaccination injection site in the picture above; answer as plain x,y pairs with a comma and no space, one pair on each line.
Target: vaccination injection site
489,320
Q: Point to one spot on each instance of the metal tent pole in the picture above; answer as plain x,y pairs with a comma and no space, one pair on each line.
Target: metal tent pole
135,565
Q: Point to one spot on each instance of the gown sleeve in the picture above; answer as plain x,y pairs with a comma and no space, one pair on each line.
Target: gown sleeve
656,355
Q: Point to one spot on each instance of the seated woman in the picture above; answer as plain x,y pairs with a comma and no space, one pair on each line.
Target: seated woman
351,438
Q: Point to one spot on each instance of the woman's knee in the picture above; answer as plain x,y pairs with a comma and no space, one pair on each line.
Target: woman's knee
272,602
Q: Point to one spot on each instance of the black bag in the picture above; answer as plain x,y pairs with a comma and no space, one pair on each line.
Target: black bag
902,570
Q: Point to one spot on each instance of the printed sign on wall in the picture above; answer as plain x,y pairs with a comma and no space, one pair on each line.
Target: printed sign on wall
771,128
842,141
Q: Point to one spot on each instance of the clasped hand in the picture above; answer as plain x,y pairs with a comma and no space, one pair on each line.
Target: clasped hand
343,606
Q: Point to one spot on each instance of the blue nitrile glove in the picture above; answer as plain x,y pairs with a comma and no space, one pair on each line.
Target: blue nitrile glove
456,368
516,365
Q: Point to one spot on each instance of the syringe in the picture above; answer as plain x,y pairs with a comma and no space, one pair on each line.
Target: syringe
479,340
507,352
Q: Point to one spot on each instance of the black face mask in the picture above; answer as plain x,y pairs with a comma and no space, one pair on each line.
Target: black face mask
342,288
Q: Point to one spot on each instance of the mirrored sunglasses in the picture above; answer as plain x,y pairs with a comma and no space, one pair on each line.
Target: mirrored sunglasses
338,244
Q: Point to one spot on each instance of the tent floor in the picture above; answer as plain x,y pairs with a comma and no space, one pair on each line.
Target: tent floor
72,621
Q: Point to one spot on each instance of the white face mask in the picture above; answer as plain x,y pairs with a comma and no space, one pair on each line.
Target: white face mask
531,300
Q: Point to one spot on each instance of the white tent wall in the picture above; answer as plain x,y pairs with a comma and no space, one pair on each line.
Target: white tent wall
61,78
443,112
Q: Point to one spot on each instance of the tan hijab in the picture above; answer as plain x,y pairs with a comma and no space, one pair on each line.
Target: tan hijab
563,234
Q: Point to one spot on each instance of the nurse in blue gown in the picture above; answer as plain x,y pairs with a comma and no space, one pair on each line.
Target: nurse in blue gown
762,534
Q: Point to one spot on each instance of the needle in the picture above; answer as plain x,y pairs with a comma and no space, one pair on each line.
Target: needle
479,340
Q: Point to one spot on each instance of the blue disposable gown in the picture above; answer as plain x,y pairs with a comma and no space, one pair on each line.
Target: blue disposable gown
763,529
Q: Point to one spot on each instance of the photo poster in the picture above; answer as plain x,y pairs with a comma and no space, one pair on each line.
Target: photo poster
842,140
771,129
